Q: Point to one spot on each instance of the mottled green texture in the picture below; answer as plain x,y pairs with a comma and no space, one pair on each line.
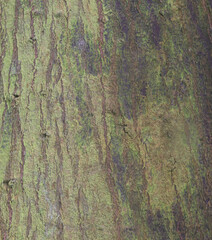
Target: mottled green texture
105,115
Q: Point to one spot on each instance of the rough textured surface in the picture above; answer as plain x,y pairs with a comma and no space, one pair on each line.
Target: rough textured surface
105,119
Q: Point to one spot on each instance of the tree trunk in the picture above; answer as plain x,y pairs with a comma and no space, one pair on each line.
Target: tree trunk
105,115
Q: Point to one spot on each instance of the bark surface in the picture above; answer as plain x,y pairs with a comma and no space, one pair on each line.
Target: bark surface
105,120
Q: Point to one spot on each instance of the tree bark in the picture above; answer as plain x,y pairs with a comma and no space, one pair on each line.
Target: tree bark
105,116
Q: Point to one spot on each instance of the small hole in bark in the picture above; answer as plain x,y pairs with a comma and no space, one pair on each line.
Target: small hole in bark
32,39
16,95
10,182
45,135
